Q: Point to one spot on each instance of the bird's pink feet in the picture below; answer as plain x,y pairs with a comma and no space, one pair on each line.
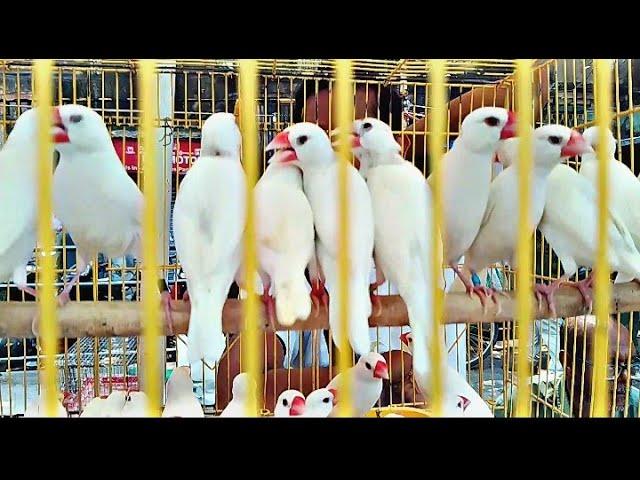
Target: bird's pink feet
270,308
547,292
584,287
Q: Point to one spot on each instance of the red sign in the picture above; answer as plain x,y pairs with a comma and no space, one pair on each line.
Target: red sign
72,400
189,151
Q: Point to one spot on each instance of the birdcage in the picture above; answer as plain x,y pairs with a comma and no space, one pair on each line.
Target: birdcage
288,91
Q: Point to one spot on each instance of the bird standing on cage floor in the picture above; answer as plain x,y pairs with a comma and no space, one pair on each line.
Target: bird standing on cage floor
208,224
497,239
569,223
291,403
106,407
466,177
181,401
319,403
309,147
624,193
243,391
98,203
365,379
459,398
402,210
285,241
18,200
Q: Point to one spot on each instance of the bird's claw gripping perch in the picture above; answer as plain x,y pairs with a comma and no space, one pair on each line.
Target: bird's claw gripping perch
270,309
318,295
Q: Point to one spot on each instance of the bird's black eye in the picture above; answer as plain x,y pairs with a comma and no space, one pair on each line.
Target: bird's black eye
302,140
368,365
326,400
75,118
285,402
554,140
491,121
367,125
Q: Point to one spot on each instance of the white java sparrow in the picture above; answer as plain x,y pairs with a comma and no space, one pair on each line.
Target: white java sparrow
111,406
137,405
290,403
38,408
208,224
624,187
18,200
403,247
466,176
286,242
498,236
309,147
570,224
93,196
181,401
365,379
243,391
319,403
459,398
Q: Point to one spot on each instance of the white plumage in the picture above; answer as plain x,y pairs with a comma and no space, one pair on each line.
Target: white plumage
242,391
402,209
290,403
285,241
308,146
136,406
208,223
18,200
111,406
365,379
181,401
319,403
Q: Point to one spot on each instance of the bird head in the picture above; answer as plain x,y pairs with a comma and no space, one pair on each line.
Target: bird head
221,135
372,366
303,144
291,403
483,128
79,128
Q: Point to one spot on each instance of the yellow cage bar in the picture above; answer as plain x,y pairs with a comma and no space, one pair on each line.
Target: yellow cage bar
602,295
524,107
47,292
251,343
436,150
148,94
344,116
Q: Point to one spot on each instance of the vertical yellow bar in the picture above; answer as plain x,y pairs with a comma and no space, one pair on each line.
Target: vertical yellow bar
437,115
250,341
344,114
49,326
148,95
523,254
602,272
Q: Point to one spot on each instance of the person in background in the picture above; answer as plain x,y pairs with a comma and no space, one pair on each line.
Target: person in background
579,357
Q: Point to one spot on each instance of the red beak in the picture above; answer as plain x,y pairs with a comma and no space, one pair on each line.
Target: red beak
404,338
355,141
334,392
297,407
281,142
381,370
509,129
60,135
576,145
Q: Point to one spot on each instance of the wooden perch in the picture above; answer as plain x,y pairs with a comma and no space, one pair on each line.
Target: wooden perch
122,319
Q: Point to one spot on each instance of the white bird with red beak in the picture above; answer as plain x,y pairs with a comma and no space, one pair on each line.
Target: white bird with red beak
18,200
181,401
624,187
208,223
498,236
286,242
459,398
93,196
466,177
570,223
403,248
365,380
309,147
291,403
319,403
